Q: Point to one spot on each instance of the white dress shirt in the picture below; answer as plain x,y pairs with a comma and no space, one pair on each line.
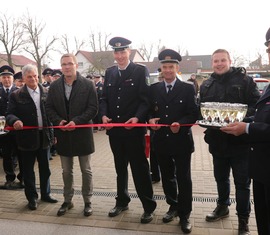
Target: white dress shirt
35,95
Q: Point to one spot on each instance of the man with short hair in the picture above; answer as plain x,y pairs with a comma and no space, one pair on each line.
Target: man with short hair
231,85
27,108
72,100
125,100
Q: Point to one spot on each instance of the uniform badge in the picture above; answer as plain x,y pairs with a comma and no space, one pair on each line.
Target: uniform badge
147,80
156,108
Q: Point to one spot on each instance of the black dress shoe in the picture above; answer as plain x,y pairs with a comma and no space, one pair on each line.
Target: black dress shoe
8,185
185,225
64,208
117,210
146,217
21,184
169,216
220,212
155,181
87,209
49,199
32,205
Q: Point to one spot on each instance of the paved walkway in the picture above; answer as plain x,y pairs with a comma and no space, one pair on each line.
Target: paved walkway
17,219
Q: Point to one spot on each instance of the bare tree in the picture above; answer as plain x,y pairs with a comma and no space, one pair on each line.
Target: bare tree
99,41
65,42
238,60
35,46
146,51
11,35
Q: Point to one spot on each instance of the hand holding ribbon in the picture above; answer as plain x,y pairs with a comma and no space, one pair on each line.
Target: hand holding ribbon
154,121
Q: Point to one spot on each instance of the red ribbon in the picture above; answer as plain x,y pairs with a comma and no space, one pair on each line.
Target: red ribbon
99,125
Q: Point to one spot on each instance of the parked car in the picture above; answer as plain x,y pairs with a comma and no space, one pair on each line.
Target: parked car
261,83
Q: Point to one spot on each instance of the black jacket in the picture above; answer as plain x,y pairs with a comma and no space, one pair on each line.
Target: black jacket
22,107
125,96
4,99
179,106
81,108
259,136
235,86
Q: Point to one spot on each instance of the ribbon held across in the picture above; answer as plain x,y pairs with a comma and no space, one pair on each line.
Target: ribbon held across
99,125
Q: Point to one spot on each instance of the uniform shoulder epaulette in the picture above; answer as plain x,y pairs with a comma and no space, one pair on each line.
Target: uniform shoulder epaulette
113,66
154,83
141,64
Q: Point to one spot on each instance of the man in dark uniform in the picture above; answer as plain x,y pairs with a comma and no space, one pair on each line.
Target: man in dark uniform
57,73
18,80
233,85
99,89
125,100
258,131
8,142
47,75
173,103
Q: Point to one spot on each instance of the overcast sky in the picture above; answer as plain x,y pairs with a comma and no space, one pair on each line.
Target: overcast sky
198,26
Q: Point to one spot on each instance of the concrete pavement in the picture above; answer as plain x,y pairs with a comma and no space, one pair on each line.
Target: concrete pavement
15,218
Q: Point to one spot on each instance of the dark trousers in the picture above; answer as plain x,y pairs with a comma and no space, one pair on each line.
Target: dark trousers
131,150
261,194
9,150
176,182
154,167
29,158
239,165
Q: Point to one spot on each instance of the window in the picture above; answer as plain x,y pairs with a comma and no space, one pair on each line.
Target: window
80,64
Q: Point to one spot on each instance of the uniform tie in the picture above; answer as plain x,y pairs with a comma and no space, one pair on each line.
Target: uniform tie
169,89
7,91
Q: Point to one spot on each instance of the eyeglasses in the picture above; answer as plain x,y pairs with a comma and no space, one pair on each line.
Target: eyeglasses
268,50
68,64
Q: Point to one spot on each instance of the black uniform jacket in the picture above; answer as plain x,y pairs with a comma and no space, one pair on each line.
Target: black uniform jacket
259,133
22,107
124,97
4,99
179,106
99,88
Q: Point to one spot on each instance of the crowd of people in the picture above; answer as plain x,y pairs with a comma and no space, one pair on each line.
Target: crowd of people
67,99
